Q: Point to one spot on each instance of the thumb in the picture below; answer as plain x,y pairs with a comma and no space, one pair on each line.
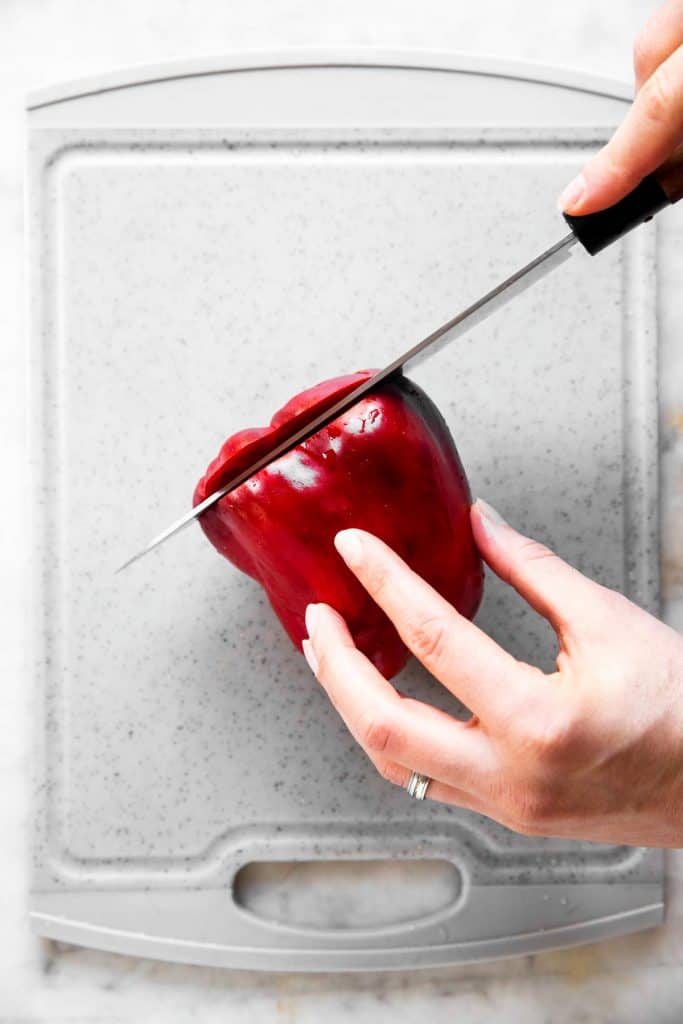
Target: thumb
558,592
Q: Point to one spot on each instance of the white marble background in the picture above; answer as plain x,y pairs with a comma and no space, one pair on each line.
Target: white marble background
634,979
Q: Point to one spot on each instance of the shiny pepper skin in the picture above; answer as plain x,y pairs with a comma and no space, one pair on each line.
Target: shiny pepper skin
389,466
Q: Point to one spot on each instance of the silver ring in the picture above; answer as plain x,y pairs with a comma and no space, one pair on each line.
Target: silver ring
418,785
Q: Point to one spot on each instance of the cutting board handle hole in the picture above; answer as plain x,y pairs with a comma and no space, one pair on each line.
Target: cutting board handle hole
347,894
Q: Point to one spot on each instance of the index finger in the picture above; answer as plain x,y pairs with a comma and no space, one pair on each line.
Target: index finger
468,662
650,132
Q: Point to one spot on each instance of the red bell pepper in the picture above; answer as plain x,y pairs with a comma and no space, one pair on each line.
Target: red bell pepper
388,465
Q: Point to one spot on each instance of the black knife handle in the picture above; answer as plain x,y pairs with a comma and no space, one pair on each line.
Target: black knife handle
663,187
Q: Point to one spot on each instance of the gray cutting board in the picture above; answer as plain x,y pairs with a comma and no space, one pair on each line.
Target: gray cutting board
206,239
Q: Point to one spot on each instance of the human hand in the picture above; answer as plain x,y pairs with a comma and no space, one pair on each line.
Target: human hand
592,751
653,127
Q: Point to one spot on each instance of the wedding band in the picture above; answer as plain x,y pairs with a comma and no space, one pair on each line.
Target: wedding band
417,785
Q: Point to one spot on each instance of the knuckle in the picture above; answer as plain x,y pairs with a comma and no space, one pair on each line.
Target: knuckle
533,551
615,605
375,733
428,639
657,96
391,771
553,739
616,168
377,579
528,551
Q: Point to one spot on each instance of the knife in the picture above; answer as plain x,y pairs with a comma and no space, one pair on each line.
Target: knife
594,232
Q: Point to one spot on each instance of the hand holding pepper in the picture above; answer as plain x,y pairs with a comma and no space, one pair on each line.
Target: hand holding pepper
653,127
593,751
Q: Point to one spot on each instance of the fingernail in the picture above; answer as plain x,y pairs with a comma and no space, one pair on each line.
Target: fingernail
573,193
311,617
349,546
309,655
490,518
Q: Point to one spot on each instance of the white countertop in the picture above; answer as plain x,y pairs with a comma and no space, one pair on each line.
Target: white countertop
631,979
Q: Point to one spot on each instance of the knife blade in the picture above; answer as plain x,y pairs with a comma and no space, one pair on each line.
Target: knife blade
594,231
451,329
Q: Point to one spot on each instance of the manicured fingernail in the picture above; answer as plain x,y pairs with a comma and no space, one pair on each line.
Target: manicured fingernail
349,546
309,655
573,193
490,518
311,617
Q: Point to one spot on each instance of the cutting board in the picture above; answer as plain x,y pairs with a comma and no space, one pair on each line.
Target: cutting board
207,239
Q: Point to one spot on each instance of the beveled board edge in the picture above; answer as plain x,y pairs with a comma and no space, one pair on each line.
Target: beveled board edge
310,57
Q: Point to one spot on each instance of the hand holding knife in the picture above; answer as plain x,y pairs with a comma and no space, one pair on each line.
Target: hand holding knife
594,231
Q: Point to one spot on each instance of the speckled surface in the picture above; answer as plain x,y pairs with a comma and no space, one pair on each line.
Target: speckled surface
192,283
612,982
